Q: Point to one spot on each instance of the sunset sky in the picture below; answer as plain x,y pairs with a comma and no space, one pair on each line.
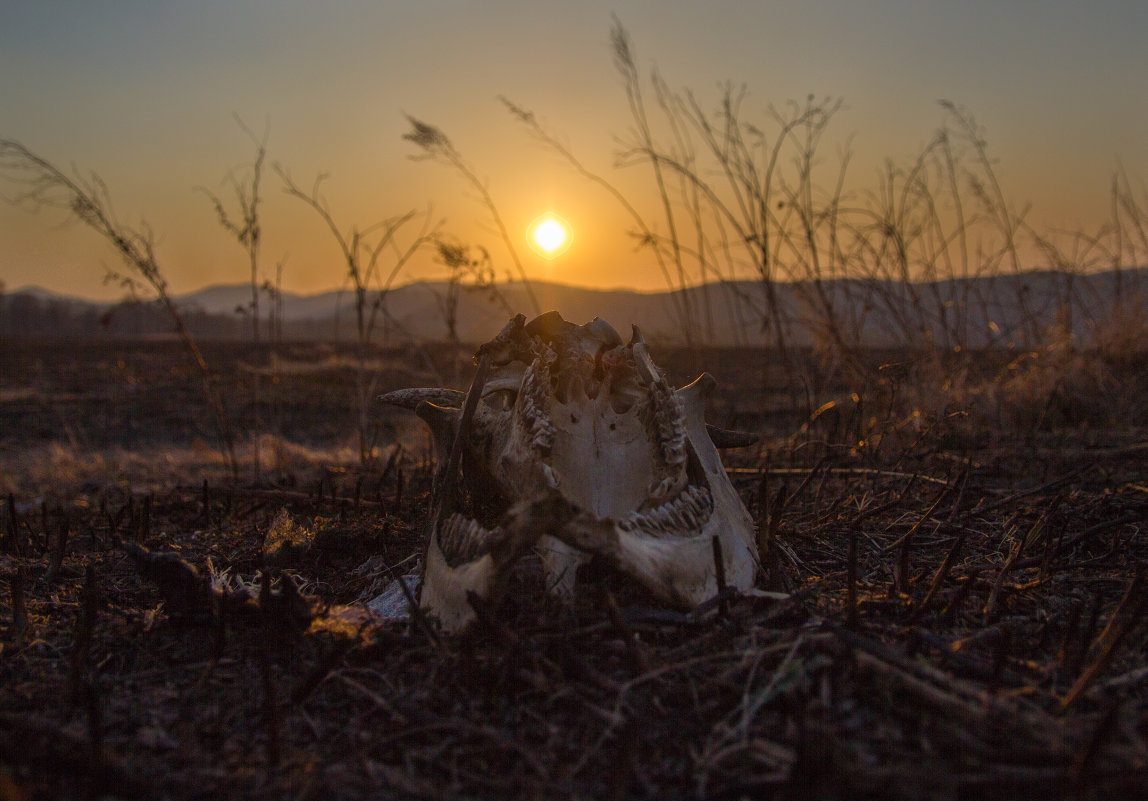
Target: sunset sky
145,95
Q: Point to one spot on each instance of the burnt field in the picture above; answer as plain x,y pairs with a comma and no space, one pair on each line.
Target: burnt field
952,596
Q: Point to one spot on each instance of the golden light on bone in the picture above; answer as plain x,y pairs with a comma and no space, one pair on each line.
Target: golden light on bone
549,236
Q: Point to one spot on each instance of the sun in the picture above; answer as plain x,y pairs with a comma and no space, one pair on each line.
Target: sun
549,236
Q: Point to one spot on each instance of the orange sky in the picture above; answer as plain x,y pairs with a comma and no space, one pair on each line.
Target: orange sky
145,93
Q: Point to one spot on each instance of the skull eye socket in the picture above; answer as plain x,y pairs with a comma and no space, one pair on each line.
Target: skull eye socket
501,400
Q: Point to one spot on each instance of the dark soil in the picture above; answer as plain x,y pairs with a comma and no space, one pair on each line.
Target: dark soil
949,607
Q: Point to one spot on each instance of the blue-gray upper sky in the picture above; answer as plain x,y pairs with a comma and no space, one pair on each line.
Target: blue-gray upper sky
144,93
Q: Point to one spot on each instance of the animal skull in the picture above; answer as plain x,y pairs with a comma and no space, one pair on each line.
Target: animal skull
572,442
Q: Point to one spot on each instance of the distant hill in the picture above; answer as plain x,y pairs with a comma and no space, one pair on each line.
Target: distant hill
979,312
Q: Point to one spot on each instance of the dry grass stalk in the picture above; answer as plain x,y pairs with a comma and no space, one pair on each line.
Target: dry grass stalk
272,715
1084,762
638,658
851,617
90,202
939,578
436,146
992,605
77,683
1128,615
12,544
58,546
20,629
362,251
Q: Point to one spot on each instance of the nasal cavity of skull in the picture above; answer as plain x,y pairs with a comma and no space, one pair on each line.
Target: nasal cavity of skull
598,375
624,398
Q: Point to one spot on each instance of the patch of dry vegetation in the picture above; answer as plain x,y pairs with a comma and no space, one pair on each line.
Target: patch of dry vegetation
947,608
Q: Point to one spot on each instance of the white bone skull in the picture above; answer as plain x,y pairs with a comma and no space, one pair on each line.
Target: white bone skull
572,442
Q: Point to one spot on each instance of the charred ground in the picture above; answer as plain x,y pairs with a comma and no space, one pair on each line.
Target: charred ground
953,599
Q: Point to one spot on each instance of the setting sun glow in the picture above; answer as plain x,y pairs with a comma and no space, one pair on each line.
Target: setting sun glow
549,236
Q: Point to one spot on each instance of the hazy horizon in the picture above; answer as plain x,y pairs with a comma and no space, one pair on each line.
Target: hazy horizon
241,289
145,94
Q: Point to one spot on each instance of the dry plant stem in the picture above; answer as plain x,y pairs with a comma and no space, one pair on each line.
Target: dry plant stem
1129,614
1064,547
1084,763
218,636
485,614
393,461
90,203
764,535
900,541
881,509
417,616
902,581
271,711
916,245
247,231
363,263
989,636
1090,628
59,546
778,578
719,570
625,771
817,468
327,662
837,471
85,625
638,660
97,757
939,579
993,602
12,540
627,67
851,618
436,146
960,596
1043,489
1070,654
964,705
446,499
246,227
751,214
46,523
20,629
144,531
1002,645
1039,530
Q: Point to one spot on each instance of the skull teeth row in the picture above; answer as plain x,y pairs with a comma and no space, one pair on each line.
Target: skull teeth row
685,515
534,402
669,424
462,539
